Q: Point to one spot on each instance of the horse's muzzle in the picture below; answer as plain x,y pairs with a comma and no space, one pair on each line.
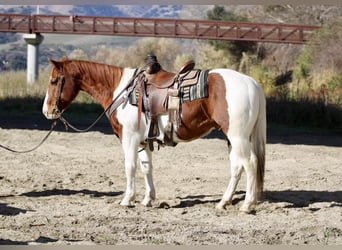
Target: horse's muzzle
49,111
51,114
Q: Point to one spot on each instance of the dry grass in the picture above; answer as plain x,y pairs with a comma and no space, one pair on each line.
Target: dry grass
17,98
13,85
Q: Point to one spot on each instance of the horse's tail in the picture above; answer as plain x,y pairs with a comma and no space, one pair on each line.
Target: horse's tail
259,141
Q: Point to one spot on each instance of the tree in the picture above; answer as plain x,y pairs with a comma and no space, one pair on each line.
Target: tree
208,57
319,65
235,48
78,54
166,50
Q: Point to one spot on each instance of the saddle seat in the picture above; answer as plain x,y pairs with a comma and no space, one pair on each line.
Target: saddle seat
163,79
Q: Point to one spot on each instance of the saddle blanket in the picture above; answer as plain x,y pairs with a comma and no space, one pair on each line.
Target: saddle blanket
195,91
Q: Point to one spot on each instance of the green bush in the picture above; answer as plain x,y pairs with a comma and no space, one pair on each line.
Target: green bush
303,64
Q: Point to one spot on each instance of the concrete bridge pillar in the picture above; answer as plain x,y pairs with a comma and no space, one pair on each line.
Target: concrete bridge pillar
33,41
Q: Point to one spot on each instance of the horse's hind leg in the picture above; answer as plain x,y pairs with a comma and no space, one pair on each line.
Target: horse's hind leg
250,167
145,157
241,157
236,171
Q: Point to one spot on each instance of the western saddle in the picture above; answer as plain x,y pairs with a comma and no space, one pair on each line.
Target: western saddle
159,94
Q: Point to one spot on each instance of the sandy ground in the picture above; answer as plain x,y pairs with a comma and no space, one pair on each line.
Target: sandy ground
68,192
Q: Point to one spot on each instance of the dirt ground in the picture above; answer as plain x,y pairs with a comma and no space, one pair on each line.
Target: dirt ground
68,192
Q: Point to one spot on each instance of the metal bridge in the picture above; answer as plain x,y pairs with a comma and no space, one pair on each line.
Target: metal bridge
156,27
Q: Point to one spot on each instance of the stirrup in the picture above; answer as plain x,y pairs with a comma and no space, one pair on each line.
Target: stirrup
153,131
150,144
168,135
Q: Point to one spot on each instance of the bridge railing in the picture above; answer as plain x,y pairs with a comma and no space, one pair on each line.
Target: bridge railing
15,23
158,27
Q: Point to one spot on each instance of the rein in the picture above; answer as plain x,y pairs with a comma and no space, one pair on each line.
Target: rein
34,148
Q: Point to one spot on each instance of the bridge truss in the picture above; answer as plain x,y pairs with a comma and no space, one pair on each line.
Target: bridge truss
156,27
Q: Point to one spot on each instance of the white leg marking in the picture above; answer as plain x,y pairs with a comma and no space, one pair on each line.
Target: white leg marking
130,147
235,175
241,158
145,157
251,173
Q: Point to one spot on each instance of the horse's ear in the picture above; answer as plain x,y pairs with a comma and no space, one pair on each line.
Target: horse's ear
54,63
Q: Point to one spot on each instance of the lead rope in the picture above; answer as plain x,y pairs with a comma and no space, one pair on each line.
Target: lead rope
118,100
34,148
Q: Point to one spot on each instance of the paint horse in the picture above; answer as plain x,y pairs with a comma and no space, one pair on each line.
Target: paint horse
235,104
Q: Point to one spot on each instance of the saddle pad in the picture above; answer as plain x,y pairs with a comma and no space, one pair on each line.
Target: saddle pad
195,91
189,78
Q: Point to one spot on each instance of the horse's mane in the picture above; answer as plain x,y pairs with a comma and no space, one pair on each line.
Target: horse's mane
101,73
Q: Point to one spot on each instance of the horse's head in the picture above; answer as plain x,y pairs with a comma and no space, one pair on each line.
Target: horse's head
61,91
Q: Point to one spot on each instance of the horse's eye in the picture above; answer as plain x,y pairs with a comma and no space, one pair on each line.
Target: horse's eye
53,80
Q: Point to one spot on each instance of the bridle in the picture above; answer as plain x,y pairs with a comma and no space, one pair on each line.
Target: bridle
60,83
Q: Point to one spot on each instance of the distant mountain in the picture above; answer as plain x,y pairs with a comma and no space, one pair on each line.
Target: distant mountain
98,10
129,10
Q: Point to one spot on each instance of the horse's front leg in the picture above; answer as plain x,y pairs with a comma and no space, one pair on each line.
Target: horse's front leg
145,156
130,145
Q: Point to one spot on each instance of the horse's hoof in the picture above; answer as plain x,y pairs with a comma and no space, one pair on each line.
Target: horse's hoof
221,206
126,203
246,211
147,203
